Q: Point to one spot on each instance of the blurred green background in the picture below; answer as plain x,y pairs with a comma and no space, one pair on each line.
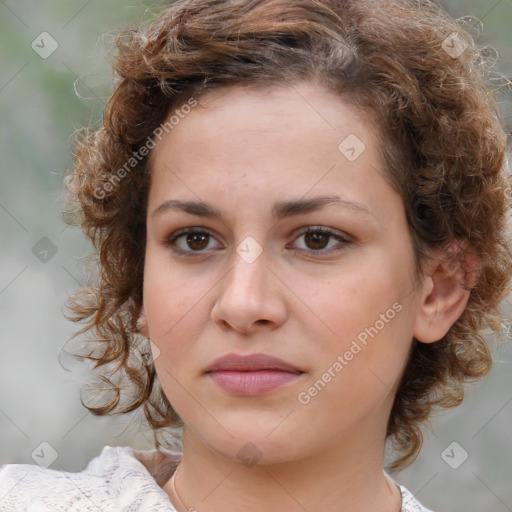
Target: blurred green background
42,259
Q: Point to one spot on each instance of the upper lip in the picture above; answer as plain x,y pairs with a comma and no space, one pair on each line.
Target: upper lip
252,362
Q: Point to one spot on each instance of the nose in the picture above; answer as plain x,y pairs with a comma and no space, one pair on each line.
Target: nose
251,297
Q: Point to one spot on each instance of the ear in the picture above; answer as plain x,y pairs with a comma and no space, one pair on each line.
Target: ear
142,324
447,287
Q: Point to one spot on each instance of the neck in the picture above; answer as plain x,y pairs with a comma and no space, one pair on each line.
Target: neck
348,478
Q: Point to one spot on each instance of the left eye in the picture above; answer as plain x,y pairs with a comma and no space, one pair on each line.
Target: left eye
317,238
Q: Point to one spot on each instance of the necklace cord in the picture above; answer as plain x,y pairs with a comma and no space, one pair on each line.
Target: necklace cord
175,492
177,496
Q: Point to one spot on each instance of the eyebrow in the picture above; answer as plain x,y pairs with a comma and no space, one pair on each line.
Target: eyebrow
280,209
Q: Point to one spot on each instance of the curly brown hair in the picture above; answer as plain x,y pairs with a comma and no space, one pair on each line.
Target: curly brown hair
444,145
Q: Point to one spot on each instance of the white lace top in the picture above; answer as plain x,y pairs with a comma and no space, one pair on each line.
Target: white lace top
120,479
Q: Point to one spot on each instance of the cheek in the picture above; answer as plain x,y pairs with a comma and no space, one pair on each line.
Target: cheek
357,375
346,306
365,320
168,295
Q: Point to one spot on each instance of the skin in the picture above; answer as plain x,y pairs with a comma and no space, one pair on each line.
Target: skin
242,150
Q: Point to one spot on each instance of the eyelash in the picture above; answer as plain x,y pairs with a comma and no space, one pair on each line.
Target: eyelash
171,240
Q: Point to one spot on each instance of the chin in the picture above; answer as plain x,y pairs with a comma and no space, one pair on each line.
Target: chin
257,448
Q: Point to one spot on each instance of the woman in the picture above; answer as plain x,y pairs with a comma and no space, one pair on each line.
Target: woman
300,216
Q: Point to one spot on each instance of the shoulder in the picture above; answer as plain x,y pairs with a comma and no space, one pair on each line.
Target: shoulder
31,487
114,480
410,503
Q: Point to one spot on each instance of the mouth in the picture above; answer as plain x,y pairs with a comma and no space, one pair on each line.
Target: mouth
252,375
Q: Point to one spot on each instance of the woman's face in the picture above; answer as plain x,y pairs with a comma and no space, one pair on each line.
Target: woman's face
256,169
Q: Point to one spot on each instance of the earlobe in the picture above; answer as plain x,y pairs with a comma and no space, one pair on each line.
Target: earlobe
447,288
142,324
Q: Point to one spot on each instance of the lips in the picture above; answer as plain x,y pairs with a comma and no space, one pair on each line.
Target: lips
252,375
251,363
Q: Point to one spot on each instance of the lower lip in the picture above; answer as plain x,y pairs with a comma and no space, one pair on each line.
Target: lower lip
252,383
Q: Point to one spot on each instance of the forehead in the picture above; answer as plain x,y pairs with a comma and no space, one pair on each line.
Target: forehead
269,142
282,112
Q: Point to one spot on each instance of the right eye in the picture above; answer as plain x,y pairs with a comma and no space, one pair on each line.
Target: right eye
189,241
